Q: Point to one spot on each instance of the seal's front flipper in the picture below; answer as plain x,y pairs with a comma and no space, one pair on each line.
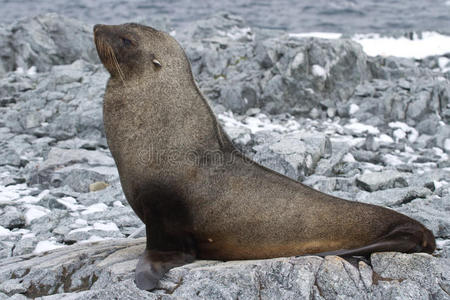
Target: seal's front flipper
152,266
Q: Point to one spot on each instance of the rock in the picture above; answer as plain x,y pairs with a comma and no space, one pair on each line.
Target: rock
381,180
25,246
80,180
365,113
326,166
366,156
428,125
12,218
371,144
393,197
11,287
297,152
107,267
432,212
9,157
428,179
58,158
398,267
48,40
230,62
97,186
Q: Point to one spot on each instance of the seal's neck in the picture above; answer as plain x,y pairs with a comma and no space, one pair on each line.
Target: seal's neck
168,113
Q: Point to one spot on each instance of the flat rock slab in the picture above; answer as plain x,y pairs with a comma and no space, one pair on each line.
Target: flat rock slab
381,180
105,270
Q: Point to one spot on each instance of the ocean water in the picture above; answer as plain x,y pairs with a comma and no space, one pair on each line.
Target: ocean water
346,16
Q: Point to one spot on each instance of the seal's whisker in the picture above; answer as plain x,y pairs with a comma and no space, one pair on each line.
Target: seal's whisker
116,64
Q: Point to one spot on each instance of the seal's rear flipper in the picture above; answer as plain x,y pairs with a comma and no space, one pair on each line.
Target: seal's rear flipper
380,246
152,266
407,238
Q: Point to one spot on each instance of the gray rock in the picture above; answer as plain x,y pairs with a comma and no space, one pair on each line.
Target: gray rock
371,144
51,132
25,246
296,153
11,287
12,218
428,179
47,40
58,158
432,212
332,185
9,157
428,125
381,180
326,166
433,275
80,179
106,269
393,197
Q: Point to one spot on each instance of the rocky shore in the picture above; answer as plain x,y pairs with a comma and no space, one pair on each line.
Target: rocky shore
369,129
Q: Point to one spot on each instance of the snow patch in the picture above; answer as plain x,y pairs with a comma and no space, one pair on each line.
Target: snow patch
99,207
384,138
348,158
320,35
117,203
431,43
404,130
35,212
392,160
260,122
4,231
29,199
447,145
70,203
359,128
94,238
318,71
353,108
111,226
44,246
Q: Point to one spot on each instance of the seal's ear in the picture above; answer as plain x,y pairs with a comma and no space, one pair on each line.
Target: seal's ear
156,63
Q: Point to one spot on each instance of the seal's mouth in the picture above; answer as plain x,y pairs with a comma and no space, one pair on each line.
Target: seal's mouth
106,52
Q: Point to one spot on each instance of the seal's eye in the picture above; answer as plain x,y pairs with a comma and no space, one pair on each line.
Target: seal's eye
126,42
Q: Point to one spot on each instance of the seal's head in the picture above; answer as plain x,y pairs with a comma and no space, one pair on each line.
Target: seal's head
130,51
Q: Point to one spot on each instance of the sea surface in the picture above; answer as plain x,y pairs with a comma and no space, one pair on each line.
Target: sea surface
346,16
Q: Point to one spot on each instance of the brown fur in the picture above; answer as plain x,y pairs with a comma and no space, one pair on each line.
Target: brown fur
195,192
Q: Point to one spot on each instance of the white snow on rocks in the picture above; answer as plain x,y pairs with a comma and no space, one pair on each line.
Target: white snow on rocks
71,203
384,138
98,207
359,128
44,246
319,71
403,130
4,231
320,35
110,226
260,122
431,43
353,109
35,212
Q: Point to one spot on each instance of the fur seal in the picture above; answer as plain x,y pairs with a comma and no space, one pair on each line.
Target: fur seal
201,198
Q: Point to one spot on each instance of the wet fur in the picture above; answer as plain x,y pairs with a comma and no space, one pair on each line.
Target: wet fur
209,209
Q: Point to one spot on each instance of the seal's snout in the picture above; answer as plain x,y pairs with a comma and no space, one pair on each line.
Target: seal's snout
428,242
